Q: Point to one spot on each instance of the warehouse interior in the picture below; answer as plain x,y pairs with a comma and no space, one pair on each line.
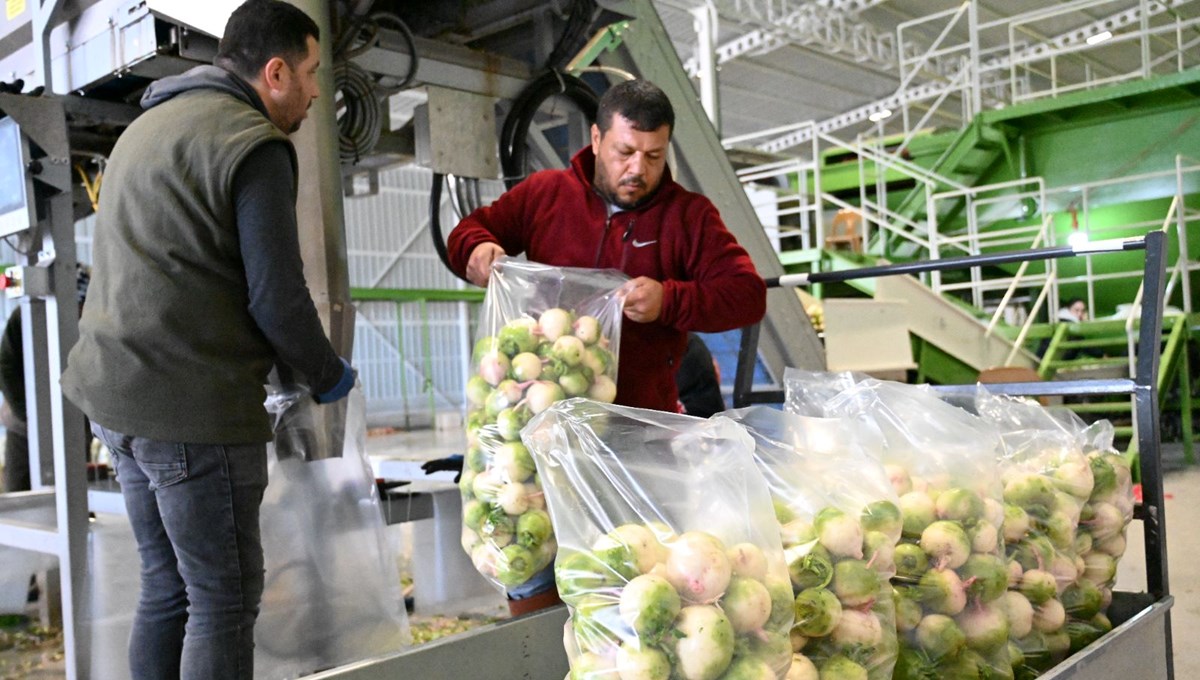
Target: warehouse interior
931,190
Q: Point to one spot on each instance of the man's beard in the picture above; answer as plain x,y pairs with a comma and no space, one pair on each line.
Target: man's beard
601,184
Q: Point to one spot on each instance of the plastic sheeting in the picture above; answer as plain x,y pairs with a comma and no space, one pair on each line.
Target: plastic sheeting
332,592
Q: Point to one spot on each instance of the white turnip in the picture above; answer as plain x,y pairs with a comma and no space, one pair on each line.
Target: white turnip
985,627
899,477
854,583
747,559
705,642
942,591
946,543
985,538
817,612
493,367
802,669
940,636
603,389
587,329
513,463
841,534
1049,616
857,629
918,511
746,603
1020,614
649,605
554,323
542,394
698,567
959,505
1038,585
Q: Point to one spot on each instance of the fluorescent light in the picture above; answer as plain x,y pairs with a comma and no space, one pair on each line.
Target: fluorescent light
1077,239
1099,37
882,114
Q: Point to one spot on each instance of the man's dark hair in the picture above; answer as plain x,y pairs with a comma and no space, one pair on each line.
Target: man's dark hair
639,101
261,30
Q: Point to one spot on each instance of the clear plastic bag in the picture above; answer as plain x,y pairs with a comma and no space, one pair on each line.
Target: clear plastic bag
332,592
840,522
545,334
951,577
669,554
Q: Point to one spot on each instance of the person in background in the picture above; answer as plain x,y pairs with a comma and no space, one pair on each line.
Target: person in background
699,381
199,291
12,384
617,206
1075,310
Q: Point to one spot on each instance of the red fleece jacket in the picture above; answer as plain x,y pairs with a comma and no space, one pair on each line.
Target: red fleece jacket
677,238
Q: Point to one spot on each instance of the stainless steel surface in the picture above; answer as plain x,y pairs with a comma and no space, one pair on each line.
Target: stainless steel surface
1137,648
529,647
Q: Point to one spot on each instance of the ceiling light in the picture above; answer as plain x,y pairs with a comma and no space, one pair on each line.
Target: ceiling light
882,114
1099,37
1077,239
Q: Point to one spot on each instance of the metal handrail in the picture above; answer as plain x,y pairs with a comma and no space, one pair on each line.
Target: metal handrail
1012,288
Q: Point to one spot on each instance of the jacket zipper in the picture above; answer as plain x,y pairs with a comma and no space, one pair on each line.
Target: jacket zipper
603,238
625,242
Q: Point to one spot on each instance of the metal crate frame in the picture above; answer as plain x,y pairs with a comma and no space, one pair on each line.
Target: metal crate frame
1143,388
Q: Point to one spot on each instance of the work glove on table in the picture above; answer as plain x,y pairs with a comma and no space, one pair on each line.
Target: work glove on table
343,386
453,463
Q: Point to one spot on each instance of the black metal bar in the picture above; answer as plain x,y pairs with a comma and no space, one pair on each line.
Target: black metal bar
1146,411
963,262
743,379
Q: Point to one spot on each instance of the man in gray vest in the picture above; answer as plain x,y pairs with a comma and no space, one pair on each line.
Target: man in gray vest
198,291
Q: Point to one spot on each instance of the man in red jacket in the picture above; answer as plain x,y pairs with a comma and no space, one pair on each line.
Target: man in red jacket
618,207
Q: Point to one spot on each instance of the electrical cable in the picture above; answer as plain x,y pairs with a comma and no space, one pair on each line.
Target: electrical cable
361,121
574,35
435,223
513,150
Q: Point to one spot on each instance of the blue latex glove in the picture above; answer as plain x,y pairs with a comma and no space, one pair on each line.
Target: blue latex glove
342,388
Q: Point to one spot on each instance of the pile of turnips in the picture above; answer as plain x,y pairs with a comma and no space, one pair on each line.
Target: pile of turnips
839,564
529,364
650,604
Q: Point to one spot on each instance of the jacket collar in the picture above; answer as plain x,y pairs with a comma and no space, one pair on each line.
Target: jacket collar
583,166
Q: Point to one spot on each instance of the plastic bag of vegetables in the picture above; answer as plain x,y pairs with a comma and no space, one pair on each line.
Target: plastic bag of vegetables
840,522
951,577
1047,483
545,334
669,555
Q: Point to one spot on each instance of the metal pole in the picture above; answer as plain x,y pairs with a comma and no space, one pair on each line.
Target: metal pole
706,56
319,213
1181,229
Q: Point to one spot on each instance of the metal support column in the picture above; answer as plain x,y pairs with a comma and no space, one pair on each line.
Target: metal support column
51,327
319,213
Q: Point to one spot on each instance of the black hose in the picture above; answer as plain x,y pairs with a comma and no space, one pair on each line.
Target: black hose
513,150
574,35
435,223
361,120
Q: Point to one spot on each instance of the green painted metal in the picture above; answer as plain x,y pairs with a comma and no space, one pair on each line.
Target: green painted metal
415,295
1185,408
607,40
1045,370
1184,81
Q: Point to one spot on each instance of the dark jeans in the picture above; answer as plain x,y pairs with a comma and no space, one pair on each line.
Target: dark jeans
194,510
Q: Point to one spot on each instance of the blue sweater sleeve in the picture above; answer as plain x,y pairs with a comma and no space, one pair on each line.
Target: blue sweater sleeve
279,299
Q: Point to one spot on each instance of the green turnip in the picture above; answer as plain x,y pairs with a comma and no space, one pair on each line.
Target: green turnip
581,573
884,517
747,559
554,323
594,622
1031,492
940,636
545,553
642,662
474,512
1049,616
1075,477
510,421
478,390
512,499
817,612
1104,475
506,395
1016,523
842,668
1104,521
1101,621
1035,652
1059,528
1081,600
569,350
993,512
985,627
774,649
574,383
783,514
483,346
517,336
526,366
985,538
987,576
497,528
603,390
597,360
919,511
802,669
959,505
590,666
911,562
857,629
533,528
1064,571
969,665
946,543
1033,552
942,591
1069,505
587,329
542,394
466,484
704,644
748,668
476,459
797,532
854,583
908,611
1113,546
1019,612
782,603
698,567
513,462
812,570
747,604
642,544
537,498
1038,585
1099,568
900,479
839,533
1058,644
1082,634
1015,574
649,605
515,565
879,550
